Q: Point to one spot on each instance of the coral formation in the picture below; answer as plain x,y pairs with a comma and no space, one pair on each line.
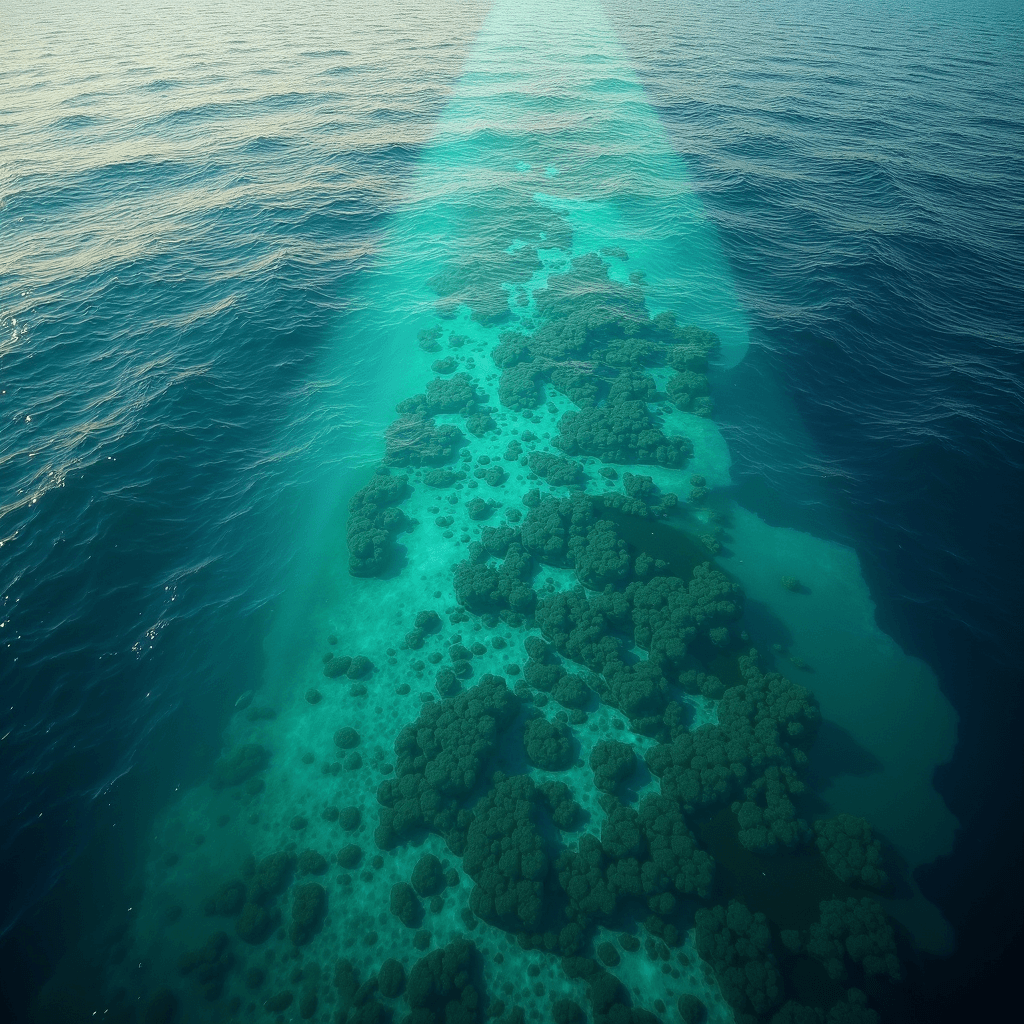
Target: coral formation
738,945
541,713
851,850
438,761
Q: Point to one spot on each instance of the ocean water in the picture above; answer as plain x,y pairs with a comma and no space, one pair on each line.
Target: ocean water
234,240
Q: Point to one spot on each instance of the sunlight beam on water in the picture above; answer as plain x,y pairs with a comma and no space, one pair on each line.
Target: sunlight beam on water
548,118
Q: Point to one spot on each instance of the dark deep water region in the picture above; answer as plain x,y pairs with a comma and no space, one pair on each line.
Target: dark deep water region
510,512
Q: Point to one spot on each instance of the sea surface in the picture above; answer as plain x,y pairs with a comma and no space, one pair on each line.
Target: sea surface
224,232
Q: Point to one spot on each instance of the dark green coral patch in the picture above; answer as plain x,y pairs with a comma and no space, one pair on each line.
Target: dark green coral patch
549,745
311,863
270,876
557,471
309,906
569,531
479,509
688,348
279,1002
482,587
255,923
558,798
586,303
571,692
519,387
349,818
624,432
442,477
404,905
335,667
443,395
477,279
428,876
766,815
512,348
851,931
767,721
612,763
851,850
346,737
505,856
582,628
416,440
428,621
438,760
360,667
738,946
447,682
577,381
350,856
696,682
391,979
690,392
541,675
479,423
442,987
668,614
692,1010
428,338
373,521
629,353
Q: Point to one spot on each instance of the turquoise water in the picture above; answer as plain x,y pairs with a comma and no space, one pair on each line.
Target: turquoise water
521,261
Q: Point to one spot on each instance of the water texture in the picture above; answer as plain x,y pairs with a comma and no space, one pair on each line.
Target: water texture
230,251
180,209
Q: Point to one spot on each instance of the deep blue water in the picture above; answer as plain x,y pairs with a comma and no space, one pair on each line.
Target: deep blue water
864,171
188,205
166,404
